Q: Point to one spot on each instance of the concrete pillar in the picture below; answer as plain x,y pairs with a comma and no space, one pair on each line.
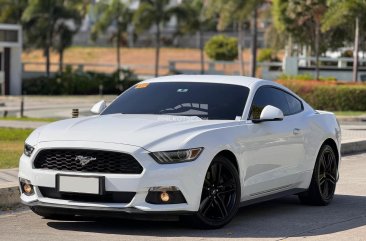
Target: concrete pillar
290,66
16,71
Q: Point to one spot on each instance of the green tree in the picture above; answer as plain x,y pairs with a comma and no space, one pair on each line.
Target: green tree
44,19
347,13
237,11
302,20
192,20
12,10
153,13
116,13
221,47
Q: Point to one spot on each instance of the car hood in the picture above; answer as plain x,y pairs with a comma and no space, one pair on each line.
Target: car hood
137,130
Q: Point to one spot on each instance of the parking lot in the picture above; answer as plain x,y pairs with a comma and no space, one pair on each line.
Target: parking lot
286,218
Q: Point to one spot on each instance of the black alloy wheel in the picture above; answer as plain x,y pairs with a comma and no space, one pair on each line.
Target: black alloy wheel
220,195
324,180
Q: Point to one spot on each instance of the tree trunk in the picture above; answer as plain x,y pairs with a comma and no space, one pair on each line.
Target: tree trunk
240,48
202,55
49,39
254,43
355,52
118,53
157,49
317,40
61,60
47,53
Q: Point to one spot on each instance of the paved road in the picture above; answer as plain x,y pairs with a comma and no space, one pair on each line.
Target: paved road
344,219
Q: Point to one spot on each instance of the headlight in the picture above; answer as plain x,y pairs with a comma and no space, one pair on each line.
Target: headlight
169,157
28,149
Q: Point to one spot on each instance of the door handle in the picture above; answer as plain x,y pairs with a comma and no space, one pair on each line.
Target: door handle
296,131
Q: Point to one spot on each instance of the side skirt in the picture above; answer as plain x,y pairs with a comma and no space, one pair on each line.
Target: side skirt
272,196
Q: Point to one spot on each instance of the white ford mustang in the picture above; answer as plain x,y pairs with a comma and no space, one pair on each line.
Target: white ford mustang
193,147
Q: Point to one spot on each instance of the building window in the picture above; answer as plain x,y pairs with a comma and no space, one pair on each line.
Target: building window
9,36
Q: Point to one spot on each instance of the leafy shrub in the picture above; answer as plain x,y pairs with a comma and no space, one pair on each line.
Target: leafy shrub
303,77
221,47
267,55
333,97
347,54
80,83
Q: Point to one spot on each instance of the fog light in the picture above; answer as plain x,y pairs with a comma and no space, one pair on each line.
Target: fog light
27,188
164,196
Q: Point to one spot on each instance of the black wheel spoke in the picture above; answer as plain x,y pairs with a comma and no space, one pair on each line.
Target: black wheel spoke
231,190
221,206
331,178
207,182
321,180
206,206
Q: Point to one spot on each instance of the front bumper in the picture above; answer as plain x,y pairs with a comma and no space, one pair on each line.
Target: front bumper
187,177
128,213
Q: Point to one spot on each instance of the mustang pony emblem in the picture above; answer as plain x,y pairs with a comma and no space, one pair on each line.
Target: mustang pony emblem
85,159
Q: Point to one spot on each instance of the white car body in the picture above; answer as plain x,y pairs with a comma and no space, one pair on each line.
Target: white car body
272,157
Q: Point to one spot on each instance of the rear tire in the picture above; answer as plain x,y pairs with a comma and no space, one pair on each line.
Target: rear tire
324,179
220,197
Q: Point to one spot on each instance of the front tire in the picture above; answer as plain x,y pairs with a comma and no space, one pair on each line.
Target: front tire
324,179
220,197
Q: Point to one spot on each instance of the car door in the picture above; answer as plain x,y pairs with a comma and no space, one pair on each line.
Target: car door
273,149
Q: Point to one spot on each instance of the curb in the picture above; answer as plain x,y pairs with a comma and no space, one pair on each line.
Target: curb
347,119
354,147
10,195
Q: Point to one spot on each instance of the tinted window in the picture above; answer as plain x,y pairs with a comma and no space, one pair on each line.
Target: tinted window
294,104
268,96
206,100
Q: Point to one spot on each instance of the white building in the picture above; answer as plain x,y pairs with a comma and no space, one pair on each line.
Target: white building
10,59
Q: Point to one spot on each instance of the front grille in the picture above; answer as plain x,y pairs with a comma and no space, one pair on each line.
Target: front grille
107,197
98,161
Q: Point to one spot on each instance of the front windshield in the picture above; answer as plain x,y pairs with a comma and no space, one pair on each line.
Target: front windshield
206,100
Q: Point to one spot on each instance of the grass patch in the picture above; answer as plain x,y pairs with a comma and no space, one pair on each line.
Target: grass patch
349,113
11,118
11,146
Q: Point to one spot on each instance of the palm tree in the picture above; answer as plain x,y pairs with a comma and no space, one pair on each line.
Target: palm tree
192,20
65,30
41,19
12,10
302,20
237,11
345,13
153,13
113,12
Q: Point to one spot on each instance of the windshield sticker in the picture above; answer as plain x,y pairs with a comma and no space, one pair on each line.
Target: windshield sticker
141,85
182,90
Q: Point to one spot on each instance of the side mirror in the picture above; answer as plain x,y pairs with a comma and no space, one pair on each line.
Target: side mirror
270,113
98,107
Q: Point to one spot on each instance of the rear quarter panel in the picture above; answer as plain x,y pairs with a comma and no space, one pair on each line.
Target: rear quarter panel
322,125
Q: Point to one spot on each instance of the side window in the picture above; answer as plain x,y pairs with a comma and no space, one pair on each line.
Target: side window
268,96
294,104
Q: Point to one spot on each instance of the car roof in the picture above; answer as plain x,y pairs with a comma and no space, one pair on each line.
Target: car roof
220,79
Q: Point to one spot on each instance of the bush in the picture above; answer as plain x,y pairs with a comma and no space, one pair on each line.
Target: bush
332,97
306,77
267,55
79,83
221,47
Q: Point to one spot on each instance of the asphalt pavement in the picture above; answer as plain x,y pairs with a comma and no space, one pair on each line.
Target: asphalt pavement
281,219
